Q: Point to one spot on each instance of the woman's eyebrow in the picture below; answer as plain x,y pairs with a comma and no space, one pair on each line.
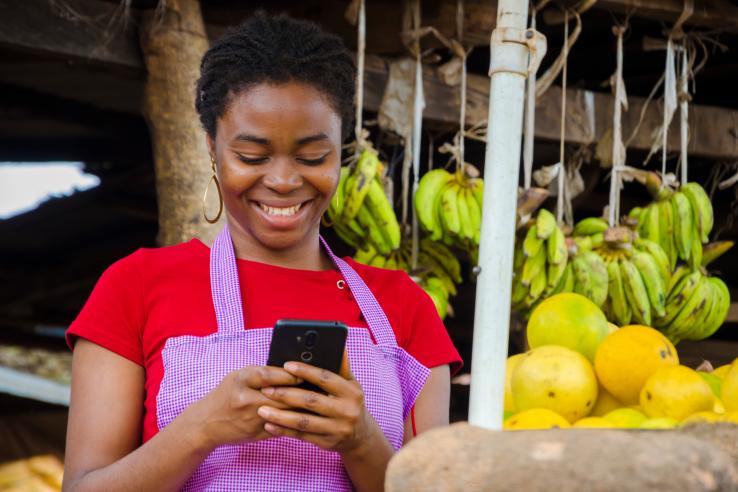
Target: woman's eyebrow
251,138
312,138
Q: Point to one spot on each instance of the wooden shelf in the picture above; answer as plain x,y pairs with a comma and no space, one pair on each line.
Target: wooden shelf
30,386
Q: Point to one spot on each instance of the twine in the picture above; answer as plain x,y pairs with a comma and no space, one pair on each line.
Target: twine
562,166
618,149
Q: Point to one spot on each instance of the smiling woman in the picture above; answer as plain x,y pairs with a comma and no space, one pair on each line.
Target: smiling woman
169,387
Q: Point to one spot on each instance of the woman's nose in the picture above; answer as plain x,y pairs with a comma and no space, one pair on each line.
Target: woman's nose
282,176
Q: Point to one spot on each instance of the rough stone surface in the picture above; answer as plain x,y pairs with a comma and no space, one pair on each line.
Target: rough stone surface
466,458
722,434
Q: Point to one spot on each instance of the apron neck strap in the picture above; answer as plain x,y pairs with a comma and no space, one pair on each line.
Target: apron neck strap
226,291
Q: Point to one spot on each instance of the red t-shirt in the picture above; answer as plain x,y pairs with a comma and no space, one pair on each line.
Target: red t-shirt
153,294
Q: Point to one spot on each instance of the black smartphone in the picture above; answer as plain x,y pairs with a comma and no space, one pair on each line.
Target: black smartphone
318,343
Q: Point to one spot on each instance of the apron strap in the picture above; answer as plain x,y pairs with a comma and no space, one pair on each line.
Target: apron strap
224,286
373,313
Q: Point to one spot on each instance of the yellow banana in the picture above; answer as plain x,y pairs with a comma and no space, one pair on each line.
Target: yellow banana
384,215
635,292
598,276
681,293
690,312
681,272
666,231
650,228
348,236
427,200
373,232
554,274
358,183
658,254
589,226
477,187
449,210
713,251
556,249
335,208
532,243
365,255
702,207
519,293
465,226
655,286
720,309
616,294
475,216
533,266
378,261
582,277
537,286
683,224
545,224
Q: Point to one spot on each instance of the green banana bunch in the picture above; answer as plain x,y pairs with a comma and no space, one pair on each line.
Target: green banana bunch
449,207
360,211
679,221
541,266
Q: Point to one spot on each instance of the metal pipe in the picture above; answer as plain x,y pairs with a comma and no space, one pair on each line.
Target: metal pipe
508,71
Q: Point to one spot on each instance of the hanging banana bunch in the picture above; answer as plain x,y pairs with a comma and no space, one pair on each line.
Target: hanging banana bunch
540,264
449,207
680,221
360,211
438,271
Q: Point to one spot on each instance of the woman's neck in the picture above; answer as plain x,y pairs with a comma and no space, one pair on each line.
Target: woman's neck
306,255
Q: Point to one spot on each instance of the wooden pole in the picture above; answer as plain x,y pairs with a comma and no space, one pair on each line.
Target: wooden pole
173,44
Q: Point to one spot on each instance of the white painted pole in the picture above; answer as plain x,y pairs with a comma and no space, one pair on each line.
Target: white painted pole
508,70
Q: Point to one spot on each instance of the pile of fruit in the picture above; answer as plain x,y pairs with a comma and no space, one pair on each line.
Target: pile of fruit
38,473
582,371
449,207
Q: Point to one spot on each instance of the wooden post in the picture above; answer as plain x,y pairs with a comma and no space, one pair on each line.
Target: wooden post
173,44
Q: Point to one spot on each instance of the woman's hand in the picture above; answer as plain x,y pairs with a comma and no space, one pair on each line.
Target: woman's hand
339,422
228,414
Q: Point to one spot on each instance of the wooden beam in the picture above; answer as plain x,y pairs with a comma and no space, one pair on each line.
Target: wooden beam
713,130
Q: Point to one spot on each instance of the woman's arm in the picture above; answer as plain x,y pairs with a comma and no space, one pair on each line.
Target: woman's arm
432,404
105,415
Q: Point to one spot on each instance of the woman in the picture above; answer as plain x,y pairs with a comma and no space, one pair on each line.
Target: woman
169,386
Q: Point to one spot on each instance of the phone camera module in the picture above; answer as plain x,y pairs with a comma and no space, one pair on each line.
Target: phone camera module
306,356
311,339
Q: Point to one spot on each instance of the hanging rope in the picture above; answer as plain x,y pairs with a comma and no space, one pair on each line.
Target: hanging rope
462,111
618,149
670,100
418,105
562,167
684,112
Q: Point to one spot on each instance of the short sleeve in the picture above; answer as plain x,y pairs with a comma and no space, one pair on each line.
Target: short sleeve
113,315
424,335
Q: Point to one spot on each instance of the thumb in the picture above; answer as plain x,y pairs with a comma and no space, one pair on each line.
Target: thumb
346,367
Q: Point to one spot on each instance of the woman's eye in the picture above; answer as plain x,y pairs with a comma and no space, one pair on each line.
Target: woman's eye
251,160
315,161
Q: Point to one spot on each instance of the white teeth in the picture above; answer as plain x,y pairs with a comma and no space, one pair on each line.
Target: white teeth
281,211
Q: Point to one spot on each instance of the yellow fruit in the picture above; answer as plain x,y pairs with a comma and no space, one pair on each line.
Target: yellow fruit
715,382
659,423
731,417
729,393
555,378
536,418
605,403
612,327
593,423
676,392
702,417
512,363
626,418
626,359
721,371
718,406
570,320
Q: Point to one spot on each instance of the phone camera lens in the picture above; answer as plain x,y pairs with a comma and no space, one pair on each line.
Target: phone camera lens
306,356
311,339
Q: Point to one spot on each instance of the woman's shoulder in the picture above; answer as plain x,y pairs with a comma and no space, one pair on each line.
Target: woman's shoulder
164,256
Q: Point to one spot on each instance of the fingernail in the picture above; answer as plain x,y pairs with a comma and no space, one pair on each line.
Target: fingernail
269,391
264,412
290,367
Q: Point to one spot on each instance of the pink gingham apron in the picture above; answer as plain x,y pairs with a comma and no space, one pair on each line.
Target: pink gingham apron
390,377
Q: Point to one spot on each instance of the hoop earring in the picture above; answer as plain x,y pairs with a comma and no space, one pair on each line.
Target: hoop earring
325,222
214,177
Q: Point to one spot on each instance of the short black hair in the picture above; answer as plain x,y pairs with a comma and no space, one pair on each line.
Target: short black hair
275,49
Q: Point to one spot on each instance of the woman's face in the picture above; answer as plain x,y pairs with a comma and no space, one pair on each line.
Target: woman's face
278,150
